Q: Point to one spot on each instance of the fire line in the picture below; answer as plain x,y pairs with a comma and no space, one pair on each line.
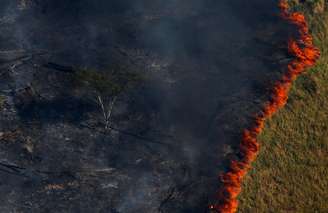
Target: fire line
305,55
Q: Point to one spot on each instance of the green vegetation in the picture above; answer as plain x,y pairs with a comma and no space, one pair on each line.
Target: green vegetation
106,87
291,172
2,101
110,83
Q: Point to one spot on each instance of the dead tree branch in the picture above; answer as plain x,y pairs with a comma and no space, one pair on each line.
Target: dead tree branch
107,113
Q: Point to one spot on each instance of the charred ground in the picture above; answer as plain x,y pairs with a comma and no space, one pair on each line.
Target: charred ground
185,77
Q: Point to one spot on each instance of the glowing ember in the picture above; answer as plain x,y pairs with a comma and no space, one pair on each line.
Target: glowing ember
305,56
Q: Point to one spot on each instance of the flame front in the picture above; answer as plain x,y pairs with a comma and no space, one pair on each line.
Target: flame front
305,55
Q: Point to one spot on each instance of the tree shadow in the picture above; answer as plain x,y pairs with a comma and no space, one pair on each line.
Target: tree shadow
68,109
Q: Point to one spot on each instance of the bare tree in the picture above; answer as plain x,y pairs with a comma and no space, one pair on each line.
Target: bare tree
107,87
107,109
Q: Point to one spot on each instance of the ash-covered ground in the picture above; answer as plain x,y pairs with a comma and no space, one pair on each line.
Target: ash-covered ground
203,68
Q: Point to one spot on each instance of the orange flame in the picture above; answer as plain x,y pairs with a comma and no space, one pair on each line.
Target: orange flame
305,55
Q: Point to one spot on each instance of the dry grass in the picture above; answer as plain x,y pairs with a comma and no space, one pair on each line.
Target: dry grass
291,172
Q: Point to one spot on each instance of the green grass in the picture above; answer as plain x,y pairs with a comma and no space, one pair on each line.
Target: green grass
291,172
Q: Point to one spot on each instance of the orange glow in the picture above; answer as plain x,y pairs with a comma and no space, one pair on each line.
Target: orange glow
305,55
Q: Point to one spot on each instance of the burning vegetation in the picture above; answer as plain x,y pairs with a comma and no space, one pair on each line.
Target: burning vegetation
305,55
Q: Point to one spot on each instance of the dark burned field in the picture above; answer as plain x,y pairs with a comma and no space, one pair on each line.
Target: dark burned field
129,106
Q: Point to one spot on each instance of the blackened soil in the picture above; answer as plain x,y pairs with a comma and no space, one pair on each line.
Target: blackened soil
207,66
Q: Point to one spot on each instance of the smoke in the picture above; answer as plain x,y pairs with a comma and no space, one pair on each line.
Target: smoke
202,60
305,55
